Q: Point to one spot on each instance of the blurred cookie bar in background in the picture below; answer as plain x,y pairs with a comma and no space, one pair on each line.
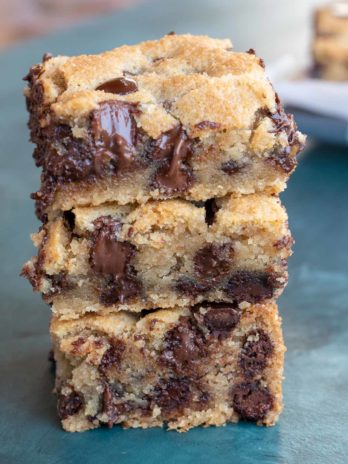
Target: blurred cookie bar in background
330,46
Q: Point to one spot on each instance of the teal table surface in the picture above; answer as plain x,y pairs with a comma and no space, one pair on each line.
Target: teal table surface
314,425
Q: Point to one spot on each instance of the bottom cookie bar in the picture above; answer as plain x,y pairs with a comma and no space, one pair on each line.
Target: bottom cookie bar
207,365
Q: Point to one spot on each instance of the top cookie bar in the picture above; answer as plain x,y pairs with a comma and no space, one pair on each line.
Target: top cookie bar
184,116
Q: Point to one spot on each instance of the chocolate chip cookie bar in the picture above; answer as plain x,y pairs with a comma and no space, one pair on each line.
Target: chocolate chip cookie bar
182,367
184,116
330,48
162,254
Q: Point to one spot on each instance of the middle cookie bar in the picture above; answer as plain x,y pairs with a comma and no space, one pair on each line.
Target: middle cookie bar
162,254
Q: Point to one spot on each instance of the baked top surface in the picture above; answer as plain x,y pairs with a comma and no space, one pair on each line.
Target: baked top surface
195,71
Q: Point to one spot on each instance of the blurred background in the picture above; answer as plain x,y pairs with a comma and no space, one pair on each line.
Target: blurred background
24,19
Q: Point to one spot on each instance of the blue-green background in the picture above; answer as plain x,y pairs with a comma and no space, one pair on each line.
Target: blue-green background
313,428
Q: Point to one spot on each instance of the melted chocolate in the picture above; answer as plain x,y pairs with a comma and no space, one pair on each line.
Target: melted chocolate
119,86
165,143
173,148
112,259
114,130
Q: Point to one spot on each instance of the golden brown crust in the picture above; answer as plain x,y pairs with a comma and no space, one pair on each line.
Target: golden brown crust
199,75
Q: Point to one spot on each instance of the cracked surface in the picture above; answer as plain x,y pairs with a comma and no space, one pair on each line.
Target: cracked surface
184,116
162,254
180,368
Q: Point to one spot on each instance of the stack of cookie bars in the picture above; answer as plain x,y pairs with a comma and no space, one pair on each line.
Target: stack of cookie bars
164,245
330,47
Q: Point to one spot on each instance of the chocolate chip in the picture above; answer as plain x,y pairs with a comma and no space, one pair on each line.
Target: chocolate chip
105,163
112,259
164,145
250,286
68,405
190,287
120,290
76,164
112,356
252,401
283,122
211,208
119,86
232,167
283,160
213,261
257,348
220,317
112,405
108,148
207,125
184,346
173,149
110,256
114,130
172,395
61,155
